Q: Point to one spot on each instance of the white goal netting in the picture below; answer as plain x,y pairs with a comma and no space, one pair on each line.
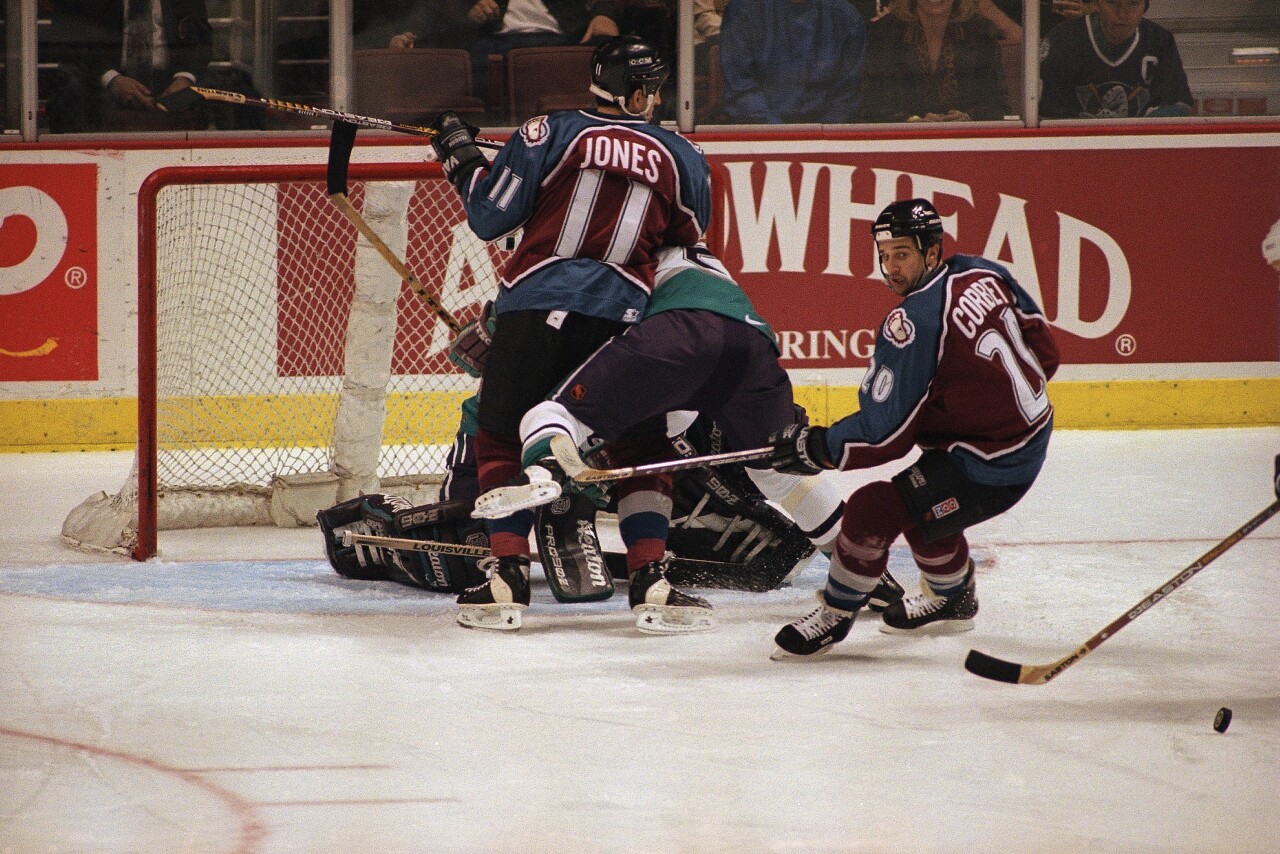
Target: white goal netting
292,368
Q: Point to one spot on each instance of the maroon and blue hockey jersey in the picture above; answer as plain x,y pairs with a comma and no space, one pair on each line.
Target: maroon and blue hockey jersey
961,365
597,196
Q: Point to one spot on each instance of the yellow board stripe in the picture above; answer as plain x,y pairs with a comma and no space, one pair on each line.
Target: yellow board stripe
111,423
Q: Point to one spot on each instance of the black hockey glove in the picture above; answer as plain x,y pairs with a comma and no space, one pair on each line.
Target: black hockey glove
800,449
470,350
455,145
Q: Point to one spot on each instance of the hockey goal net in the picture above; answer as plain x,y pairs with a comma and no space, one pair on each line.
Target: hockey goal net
282,364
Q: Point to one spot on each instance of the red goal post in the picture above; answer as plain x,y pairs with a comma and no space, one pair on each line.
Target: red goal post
282,364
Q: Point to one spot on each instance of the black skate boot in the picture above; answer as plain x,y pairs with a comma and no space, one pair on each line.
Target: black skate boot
662,609
815,633
887,592
497,603
929,613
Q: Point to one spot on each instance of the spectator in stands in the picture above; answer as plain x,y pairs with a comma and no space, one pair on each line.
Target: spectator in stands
792,61
935,61
707,15
410,23
118,57
1112,63
1007,15
506,24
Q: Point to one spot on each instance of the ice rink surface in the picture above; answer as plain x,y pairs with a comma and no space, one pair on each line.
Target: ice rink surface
238,696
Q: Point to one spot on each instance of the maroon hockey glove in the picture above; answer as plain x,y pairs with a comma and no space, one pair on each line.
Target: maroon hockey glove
470,350
800,449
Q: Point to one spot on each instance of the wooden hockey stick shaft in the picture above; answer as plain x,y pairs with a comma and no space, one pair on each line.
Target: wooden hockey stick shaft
343,204
172,102
341,141
350,538
990,667
566,454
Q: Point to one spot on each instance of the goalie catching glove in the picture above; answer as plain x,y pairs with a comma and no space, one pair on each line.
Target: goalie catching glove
718,514
392,516
455,145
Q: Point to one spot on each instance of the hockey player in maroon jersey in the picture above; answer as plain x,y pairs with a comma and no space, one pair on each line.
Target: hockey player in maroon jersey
597,193
960,369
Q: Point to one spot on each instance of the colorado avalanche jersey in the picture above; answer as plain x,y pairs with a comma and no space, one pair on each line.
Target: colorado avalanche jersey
597,197
1082,77
961,365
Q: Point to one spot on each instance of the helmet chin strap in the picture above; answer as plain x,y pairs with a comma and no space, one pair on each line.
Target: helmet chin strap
621,102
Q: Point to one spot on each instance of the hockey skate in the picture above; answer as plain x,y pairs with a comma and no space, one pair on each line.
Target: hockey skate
497,604
661,609
815,633
887,592
538,484
929,613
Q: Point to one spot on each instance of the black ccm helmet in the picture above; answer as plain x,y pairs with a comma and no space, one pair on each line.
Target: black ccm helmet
624,64
911,218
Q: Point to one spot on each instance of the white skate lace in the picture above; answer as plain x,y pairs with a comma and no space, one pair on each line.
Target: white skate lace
818,623
922,605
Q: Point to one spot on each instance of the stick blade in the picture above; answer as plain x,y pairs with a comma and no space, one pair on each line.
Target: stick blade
341,140
990,667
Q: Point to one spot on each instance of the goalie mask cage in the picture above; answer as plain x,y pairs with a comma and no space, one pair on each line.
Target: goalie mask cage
282,364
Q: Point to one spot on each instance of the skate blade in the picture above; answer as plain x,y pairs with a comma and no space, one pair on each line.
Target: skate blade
498,618
780,654
942,627
505,500
667,620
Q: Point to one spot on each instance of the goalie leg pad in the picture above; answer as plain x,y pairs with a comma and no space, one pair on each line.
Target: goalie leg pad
570,552
350,561
443,522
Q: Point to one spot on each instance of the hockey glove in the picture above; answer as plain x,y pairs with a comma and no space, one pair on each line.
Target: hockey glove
455,145
470,350
800,449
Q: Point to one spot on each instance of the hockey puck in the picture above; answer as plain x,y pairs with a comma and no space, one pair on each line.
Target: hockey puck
1222,719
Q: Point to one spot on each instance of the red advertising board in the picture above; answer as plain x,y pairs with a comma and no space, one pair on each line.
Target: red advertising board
48,272
1138,252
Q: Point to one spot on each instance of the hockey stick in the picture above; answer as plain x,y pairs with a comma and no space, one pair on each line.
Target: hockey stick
351,538
1000,670
341,141
191,95
566,454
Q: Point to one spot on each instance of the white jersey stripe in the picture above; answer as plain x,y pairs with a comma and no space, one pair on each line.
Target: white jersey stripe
630,222
574,230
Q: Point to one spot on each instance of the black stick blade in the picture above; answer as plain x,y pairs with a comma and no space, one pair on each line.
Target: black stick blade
990,667
341,140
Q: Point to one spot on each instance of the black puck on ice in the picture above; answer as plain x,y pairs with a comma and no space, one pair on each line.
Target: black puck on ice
1222,719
